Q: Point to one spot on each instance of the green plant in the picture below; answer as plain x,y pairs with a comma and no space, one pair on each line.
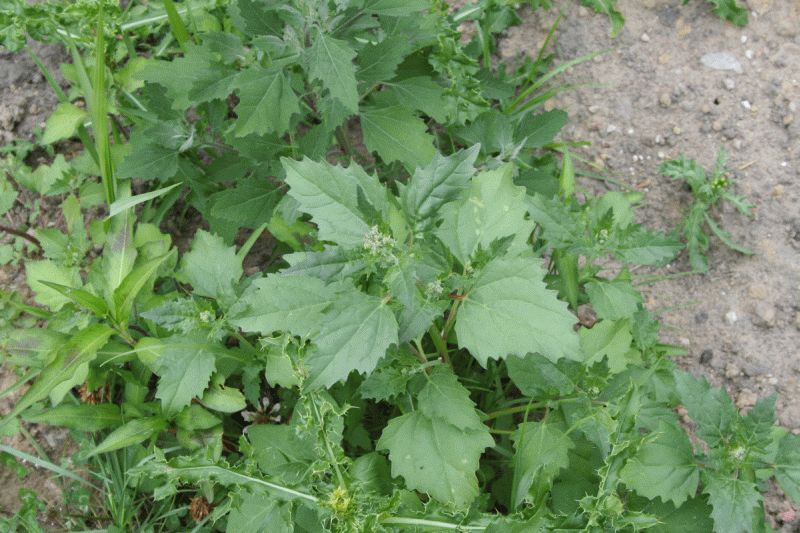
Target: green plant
414,368
708,192
442,335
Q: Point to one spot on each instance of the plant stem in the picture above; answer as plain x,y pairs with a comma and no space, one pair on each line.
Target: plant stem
22,234
441,345
528,407
400,521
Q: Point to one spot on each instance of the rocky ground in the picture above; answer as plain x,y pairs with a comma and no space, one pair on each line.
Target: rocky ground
650,98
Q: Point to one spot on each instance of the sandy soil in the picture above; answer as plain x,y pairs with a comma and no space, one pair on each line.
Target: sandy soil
650,98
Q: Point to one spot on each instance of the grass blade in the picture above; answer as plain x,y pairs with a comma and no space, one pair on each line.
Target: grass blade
179,29
100,111
41,463
123,204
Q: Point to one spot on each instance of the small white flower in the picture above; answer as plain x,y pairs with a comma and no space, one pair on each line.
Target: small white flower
205,317
434,289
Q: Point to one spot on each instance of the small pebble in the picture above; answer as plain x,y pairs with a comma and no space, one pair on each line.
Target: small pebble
777,191
729,84
706,356
747,105
744,39
645,38
676,130
594,109
749,54
611,128
732,371
731,317
665,100
716,126
722,61
788,119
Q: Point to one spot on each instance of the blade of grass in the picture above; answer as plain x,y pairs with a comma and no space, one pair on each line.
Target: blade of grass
100,111
40,463
179,29
123,204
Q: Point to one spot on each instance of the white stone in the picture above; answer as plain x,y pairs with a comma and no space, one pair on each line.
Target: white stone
722,61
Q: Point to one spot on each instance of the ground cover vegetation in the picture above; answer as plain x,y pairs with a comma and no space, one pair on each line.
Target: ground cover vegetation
400,310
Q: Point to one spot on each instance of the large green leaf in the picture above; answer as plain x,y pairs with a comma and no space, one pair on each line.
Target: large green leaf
435,457
259,512
613,300
787,466
266,102
79,351
211,267
396,134
46,270
445,398
283,303
437,183
331,62
82,417
711,409
354,335
734,502
509,311
541,452
491,208
128,434
609,340
184,366
330,194
63,123
663,467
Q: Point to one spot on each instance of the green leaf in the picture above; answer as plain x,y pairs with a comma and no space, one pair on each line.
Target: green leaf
539,130
123,204
693,516
439,182
46,270
645,247
541,451
420,93
330,194
130,433
395,8
378,62
726,238
608,7
663,467
184,367
255,17
330,61
536,376
787,466
148,160
63,123
79,417
283,303
509,311
85,299
613,300
730,11
266,102
490,209
125,295
435,457
444,398
734,503
78,351
249,204
610,340
711,409
212,268
354,335
258,513
119,253
396,134
224,399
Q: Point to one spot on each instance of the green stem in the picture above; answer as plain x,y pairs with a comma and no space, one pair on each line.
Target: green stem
528,407
400,521
441,345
